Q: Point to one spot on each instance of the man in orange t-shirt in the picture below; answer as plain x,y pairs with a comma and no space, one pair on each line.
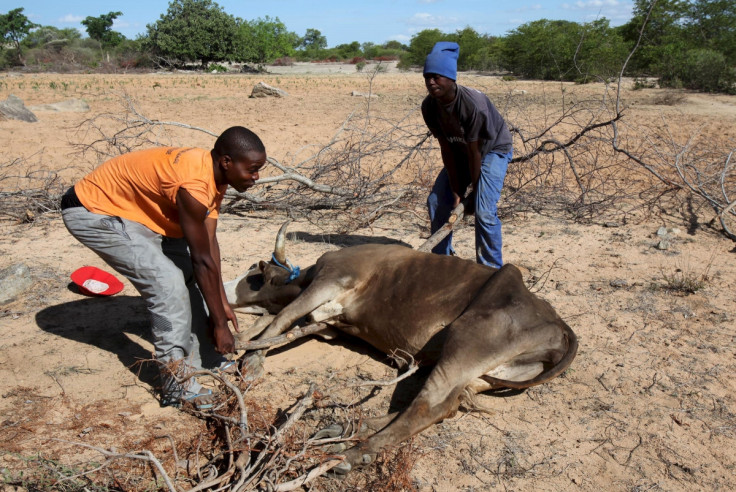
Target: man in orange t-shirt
152,216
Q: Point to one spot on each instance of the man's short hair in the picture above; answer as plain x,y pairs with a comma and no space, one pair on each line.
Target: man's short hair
236,141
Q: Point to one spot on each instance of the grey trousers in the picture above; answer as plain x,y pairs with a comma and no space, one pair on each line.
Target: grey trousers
161,270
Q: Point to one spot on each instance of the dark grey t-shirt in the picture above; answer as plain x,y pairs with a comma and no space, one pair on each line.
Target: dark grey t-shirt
470,117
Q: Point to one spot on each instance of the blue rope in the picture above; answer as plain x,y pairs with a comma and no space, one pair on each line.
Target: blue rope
294,271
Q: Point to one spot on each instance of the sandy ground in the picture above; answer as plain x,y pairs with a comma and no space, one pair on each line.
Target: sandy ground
648,404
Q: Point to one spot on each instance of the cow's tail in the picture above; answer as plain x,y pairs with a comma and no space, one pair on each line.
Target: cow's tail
551,373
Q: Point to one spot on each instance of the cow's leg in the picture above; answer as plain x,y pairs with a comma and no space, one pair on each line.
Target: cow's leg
314,296
461,361
365,428
438,400
483,338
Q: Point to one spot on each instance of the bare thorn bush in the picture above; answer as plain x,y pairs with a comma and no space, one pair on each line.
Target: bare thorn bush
576,157
28,190
244,444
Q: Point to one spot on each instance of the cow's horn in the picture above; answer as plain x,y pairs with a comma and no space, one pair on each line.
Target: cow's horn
279,250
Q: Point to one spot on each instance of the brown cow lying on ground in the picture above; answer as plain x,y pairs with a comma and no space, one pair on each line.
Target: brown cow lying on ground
480,327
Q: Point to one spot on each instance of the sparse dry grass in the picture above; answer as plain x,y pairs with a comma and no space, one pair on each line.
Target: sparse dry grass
683,278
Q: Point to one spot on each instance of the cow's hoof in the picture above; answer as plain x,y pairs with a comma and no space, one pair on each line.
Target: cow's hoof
341,470
334,430
252,366
336,448
331,432
366,459
356,457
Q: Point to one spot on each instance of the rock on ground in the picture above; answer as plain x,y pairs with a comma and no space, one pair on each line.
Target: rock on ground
14,280
363,94
14,109
265,90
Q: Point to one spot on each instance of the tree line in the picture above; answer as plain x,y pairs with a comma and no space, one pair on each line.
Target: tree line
684,43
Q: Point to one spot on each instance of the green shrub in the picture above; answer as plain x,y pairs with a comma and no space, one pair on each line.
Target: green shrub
706,70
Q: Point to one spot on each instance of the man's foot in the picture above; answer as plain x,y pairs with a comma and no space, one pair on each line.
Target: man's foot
175,395
229,367
203,400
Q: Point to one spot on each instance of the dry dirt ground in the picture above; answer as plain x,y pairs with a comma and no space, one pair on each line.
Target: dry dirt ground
648,404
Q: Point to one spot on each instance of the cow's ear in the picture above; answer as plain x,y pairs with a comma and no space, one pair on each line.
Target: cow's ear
262,266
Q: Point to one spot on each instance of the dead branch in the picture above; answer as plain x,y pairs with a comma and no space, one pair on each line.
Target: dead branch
305,479
542,278
28,189
356,170
412,367
288,337
277,439
144,455
456,215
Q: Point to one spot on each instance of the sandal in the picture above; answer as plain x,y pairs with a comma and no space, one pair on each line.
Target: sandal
229,367
200,401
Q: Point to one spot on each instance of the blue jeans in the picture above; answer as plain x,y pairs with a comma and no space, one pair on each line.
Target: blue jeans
488,242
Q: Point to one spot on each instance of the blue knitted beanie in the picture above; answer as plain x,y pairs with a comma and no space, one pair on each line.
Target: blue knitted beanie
443,59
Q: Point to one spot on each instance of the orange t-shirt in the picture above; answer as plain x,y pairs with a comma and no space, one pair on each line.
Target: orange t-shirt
141,186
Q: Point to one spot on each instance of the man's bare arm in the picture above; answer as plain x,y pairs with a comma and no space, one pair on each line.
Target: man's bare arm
448,160
192,215
211,225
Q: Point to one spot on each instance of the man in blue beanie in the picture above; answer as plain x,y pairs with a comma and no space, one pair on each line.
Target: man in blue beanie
476,149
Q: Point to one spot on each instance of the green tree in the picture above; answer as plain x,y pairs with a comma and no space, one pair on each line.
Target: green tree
543,49
663,43
601,51
46,34
348,50
313,39
100,29
475,50
689,43
193,30
14,26
420,46
370,50
264,40
707,70
312,44
395,45
712,25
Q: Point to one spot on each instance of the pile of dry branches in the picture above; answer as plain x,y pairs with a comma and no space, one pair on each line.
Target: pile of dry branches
246,445
28,190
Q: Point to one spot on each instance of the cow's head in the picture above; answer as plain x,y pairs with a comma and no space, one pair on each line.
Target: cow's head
267,285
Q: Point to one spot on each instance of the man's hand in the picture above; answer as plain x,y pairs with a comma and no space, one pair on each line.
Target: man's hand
230,315
221,337
456,199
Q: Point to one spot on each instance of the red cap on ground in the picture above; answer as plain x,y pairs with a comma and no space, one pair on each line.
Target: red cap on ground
95,282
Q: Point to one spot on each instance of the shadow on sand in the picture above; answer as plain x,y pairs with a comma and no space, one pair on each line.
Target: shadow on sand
342,240
103,322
